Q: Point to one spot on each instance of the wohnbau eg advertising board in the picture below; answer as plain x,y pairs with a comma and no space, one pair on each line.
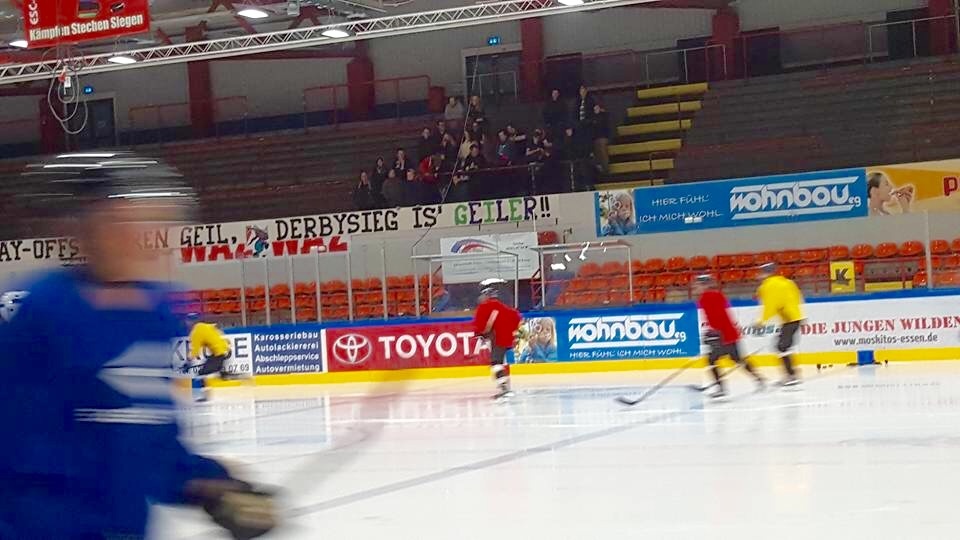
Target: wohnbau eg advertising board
732,203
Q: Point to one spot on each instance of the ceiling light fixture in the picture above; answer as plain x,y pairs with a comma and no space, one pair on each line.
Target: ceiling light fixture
336,33
252,13
122,59
571,2
19,43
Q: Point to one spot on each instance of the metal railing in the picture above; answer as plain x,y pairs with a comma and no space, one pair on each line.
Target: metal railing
161,123
945,25
330,104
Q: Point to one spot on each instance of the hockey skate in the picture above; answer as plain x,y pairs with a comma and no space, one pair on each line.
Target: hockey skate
718,395
503,392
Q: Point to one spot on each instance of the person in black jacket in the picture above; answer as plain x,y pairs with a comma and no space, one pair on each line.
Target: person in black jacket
600,133
427,144
554,113
393,189
363,195
378,177
584,110
402,162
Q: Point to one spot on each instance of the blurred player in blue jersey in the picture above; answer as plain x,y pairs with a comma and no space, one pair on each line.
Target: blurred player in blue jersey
85,370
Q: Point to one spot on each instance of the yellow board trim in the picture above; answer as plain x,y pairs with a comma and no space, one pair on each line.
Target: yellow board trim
644,147
762,360
664,108
654,127
676,90
641,166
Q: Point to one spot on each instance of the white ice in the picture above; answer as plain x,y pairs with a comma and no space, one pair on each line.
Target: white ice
870,452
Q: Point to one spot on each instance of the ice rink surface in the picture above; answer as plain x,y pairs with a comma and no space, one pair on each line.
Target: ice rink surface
869,452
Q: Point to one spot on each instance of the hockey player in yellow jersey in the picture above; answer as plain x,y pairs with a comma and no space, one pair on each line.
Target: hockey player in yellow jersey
781,299
208,344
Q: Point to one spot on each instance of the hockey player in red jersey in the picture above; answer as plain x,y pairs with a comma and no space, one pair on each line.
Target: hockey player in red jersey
499,323
723,335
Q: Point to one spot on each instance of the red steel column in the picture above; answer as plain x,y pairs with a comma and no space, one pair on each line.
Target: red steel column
361,94
942,31
200,90
531,59
726,28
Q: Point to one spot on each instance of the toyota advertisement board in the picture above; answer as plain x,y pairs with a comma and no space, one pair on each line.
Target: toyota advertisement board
47,23
404,346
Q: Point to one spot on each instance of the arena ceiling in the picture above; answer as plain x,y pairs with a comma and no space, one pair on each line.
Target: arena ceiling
231,35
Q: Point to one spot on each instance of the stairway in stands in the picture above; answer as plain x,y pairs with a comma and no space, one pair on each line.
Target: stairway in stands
643,150
891,112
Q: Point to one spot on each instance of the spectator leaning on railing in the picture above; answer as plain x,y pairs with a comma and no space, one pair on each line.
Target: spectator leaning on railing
533,152
505,156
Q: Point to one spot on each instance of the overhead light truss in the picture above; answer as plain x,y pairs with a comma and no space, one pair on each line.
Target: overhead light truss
427,21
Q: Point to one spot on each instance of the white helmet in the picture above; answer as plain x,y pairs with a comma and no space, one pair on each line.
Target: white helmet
10,302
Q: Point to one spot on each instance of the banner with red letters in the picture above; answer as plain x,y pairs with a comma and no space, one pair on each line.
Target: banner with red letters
47,23
404,346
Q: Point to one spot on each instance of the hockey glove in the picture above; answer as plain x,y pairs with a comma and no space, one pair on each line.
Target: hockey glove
236,506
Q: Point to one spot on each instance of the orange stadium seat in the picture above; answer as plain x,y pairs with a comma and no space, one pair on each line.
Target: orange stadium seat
912,248
742,260
939,247
839,253
613,268
722,262
677,264
589,269
652,266
862,251
699,262
886,250
788,257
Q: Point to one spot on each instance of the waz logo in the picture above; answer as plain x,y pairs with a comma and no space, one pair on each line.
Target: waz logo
626,331
789,199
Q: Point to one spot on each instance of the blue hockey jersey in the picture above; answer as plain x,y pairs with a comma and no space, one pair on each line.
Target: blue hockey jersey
85,398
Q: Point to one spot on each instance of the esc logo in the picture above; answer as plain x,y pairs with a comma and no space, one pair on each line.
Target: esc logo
352,349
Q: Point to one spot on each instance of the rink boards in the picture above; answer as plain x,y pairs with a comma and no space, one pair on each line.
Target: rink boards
896,326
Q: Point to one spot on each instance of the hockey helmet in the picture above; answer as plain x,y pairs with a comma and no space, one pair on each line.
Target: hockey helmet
10,303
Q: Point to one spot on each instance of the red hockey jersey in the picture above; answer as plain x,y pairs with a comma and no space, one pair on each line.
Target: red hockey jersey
502,319
716,309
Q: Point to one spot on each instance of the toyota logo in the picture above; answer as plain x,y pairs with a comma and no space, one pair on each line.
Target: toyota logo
352,349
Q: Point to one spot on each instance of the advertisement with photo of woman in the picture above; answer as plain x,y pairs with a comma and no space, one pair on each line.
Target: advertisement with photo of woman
539,341
617,213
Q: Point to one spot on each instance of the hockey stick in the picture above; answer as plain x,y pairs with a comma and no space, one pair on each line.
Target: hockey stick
631,402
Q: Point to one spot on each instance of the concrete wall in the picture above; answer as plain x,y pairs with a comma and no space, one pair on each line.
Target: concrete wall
623,28
756,14
437,54
276,87
18,119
